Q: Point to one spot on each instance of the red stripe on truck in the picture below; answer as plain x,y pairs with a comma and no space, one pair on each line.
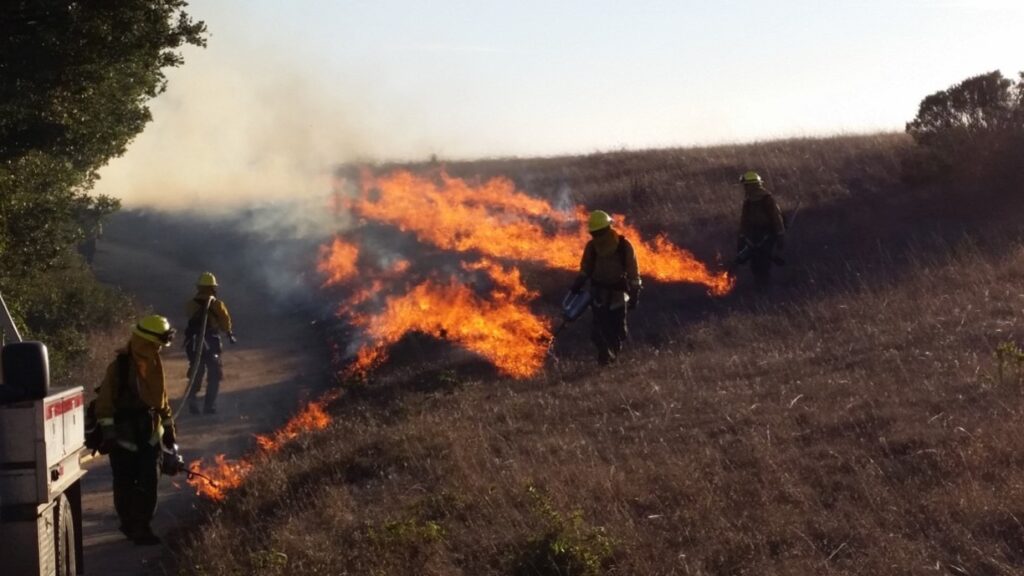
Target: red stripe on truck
61,407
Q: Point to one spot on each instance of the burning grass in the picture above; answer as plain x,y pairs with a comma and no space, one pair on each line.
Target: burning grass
861,434
856,422
494,219
217,479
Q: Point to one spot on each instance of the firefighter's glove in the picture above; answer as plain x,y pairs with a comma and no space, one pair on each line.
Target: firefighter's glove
741,243
109,439
577,285
780,243
231,338
634,297
169,438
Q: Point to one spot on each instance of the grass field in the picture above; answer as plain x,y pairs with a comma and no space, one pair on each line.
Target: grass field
855,420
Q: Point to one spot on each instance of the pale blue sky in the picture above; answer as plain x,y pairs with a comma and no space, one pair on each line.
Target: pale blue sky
462,79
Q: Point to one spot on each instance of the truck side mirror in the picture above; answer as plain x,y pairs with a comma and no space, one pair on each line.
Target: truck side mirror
26,371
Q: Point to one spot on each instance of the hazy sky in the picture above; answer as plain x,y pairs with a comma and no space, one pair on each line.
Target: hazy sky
285,88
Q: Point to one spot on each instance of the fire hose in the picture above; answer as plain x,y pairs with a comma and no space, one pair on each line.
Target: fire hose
193,370
177,464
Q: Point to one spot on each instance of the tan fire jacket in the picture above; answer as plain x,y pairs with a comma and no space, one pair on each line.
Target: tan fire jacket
146,381
219,319
610,263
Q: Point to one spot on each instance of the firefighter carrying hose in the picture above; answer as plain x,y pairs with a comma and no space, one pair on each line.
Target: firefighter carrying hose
135,418
609,263
218,319
762,229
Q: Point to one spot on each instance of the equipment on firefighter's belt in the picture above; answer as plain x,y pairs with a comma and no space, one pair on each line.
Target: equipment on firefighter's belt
99,438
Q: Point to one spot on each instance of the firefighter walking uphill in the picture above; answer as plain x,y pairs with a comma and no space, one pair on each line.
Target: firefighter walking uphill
135,418
609,264
762,229
208,363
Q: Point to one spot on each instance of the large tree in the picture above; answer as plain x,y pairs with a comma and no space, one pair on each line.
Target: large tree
75,80
969,125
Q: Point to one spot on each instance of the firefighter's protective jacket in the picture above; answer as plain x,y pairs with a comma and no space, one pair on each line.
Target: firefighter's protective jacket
761,217
219,319
143,397
610,263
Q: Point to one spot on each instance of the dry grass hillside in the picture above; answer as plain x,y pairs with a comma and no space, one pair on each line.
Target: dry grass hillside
856,420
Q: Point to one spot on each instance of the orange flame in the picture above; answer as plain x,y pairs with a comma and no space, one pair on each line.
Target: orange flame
499,221
226,475
501,328
312,417
338,261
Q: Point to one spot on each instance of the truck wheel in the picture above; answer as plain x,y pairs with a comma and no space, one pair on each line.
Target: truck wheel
64,537
27,369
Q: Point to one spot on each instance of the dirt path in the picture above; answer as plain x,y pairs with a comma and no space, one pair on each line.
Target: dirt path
276,365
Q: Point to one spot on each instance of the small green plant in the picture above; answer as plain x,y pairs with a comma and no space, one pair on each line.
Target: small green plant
1009,360
407,532
565,546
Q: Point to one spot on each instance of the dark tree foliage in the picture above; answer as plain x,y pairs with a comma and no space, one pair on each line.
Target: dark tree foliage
977,120
75,79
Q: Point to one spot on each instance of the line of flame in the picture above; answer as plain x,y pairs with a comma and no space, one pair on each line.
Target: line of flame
499,221
226,475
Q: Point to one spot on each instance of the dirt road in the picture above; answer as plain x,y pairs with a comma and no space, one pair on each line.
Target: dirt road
276,365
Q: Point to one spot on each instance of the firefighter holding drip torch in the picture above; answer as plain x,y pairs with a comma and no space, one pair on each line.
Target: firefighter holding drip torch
609,264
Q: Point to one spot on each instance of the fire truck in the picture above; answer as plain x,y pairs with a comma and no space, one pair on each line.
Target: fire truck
42,435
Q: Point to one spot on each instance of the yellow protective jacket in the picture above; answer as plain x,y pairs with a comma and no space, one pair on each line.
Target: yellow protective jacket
610,263
219,319
144,407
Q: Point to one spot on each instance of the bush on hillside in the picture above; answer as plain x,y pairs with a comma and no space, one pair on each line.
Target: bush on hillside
975,125
63,306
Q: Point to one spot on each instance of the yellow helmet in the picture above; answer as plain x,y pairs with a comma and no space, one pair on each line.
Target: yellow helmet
599,220
207,280
751,178
156,329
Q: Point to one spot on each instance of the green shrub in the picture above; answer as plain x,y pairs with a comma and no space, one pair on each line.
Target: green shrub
62,307
565,546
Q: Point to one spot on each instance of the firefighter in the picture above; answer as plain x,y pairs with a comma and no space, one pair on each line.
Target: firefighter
609,263
218,319
762,229
135,418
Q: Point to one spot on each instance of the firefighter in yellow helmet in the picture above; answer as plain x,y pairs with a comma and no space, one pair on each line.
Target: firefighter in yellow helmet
218,320
609,264
135,417
762,229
